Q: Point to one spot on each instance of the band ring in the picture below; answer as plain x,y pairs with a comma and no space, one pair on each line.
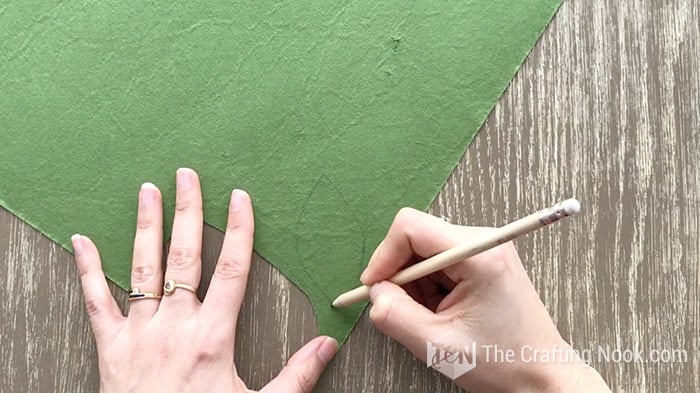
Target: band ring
170,286
136,294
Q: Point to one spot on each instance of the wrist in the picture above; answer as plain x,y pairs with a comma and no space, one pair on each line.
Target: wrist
563,371
572,376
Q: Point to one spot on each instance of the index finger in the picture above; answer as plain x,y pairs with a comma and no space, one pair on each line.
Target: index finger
413,233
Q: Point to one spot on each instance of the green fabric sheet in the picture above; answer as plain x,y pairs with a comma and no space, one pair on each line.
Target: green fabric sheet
332,115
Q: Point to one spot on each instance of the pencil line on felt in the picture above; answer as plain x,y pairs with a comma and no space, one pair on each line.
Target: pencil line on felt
460,252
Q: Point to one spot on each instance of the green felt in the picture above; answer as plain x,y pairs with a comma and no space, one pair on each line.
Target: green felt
332,115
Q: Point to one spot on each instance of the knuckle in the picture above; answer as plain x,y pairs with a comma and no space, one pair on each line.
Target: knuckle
231,268
94,307
209,347
142,272
500,260
144,221
83,271
181,257
233,225
207,352
183,204
405,216
236,225
405,220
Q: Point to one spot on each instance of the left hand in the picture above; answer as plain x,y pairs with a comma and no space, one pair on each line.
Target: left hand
177,343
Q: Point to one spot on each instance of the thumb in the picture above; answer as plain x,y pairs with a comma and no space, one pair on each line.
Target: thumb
400,317
303,369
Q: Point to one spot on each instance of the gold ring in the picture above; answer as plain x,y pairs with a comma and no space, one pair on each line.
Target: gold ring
170,287
136,294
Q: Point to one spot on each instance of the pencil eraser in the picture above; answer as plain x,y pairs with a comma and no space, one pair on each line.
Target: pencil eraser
571,206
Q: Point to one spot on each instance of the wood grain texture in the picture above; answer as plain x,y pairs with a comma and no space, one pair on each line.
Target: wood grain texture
606,108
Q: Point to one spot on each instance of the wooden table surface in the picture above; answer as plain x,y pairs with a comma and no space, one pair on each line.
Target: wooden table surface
606,108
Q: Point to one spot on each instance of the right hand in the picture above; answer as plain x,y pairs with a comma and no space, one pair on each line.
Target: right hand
487,298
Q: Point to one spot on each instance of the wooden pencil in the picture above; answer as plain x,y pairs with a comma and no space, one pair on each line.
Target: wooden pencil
460,252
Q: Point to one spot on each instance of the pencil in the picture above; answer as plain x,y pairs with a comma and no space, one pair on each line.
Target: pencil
460,252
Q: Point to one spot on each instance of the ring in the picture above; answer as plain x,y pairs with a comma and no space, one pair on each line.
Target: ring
136,294
170,287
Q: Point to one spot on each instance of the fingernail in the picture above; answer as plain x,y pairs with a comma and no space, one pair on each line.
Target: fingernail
237,197
184,178
327,349
147,194
77,241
